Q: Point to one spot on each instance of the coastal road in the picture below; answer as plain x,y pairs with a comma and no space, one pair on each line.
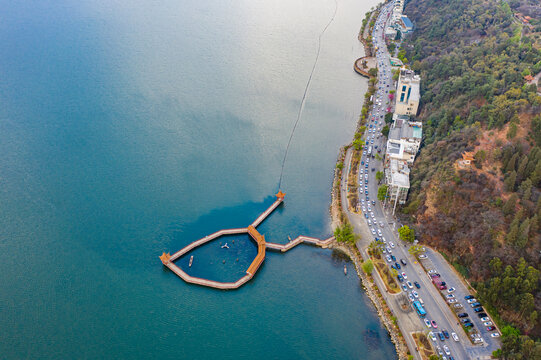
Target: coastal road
380,224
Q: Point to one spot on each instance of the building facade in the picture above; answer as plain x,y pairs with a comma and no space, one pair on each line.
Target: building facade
408,93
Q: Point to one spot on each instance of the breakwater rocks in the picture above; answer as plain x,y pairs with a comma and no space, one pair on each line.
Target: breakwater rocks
374,295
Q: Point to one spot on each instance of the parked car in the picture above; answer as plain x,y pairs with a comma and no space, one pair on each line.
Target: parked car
468,297
434,324
491,328
404,287
478,309
404,275
397,265
445,333
495,334
475,304
488,323
463,315
409,284
455,336
442,338
427,323
417,285
471,300
431,334
403,262
415,294
451,289
450,296
486,318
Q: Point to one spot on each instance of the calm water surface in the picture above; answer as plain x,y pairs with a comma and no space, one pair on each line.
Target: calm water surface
132,127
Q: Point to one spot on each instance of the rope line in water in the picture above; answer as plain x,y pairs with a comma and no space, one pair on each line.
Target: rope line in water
303,101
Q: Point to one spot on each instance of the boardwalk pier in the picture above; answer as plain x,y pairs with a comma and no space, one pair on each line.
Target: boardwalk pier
262,245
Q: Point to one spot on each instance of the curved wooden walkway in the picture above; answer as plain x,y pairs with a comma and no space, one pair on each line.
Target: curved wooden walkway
262,245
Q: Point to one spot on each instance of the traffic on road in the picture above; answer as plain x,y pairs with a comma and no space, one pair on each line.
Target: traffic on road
434,303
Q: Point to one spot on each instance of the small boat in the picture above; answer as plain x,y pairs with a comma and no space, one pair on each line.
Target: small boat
345,270
191,261
225,246
289,238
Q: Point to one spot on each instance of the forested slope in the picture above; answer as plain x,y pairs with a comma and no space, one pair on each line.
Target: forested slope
473,57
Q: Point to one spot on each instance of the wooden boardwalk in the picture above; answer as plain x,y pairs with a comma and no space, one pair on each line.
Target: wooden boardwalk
285,247
262,245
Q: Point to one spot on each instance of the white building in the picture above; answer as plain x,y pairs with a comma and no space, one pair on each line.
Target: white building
398,181
404,139
408,92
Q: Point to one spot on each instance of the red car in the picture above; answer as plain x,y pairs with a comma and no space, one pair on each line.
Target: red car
434,325
491,328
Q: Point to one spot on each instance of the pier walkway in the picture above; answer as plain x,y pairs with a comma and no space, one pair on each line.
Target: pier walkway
262,245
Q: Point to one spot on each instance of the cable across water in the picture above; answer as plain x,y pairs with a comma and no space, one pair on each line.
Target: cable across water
303,101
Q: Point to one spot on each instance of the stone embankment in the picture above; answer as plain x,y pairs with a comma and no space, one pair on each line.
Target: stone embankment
373,293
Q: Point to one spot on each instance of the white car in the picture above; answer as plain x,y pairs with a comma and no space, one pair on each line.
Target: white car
373,231
382,238
486,318
451,289
495,334
415,294
458,306
411,298
379,232
455,336
391,244
422,256
389,251
471,301
451,301
488,323
431,334
446,349
388,258
410,285
450,296
404,275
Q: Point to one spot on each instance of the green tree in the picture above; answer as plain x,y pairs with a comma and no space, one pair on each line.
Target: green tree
379,176
373,72
406,233
358,144
509,206
382,192
345,234
388,117
415,249
510,181
385,130
367,266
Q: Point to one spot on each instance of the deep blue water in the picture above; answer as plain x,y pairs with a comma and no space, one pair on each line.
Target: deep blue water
128,128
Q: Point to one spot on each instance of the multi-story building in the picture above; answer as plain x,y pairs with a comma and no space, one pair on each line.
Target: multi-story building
408,92
404,139
398,181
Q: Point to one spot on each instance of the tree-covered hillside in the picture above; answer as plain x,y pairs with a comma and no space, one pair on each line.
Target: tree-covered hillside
474,58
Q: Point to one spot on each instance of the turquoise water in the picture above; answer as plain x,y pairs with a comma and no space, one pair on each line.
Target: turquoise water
128,128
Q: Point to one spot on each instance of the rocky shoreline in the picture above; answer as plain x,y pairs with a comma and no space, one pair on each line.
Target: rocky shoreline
338,217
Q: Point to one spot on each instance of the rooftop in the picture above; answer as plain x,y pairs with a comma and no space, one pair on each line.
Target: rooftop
407,22
404,129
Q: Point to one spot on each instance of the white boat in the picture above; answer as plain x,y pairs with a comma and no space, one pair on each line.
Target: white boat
191,261
225,246
345,270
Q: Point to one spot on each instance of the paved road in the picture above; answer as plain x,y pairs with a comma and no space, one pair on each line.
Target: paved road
380,220
437,262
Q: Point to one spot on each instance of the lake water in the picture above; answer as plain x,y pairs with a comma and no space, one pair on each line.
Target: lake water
128,128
